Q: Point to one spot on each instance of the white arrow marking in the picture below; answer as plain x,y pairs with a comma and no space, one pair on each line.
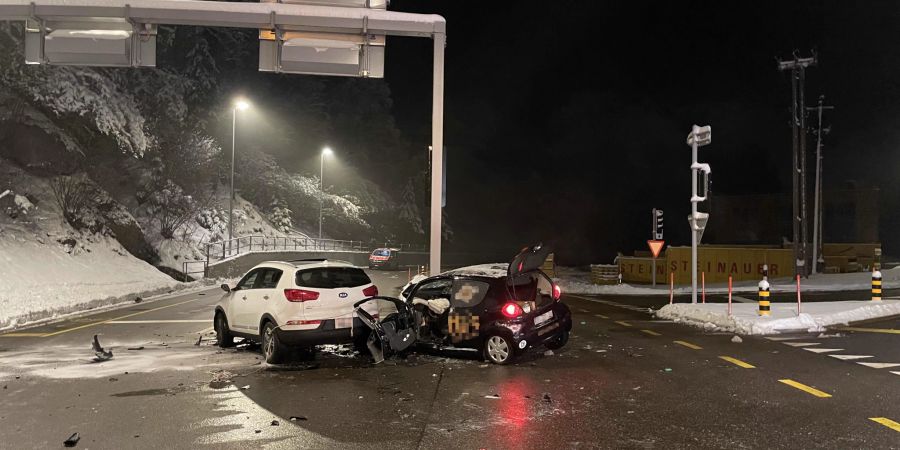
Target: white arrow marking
802,344
896,373
848,357
823,350
879,365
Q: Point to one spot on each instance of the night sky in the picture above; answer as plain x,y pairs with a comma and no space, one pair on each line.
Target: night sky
566,121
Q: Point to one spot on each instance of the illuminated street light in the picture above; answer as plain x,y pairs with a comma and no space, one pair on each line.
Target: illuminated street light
239,104
325,151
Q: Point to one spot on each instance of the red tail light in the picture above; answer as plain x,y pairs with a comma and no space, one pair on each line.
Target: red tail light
512,310
370,291
557,292
300,295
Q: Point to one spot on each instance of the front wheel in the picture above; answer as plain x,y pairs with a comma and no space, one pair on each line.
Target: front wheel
224,338
559,341
273,350
499,349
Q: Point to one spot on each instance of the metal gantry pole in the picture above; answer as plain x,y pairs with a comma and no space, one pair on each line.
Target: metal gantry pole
231,197
694,162
804,216
817,208
437,152
795,175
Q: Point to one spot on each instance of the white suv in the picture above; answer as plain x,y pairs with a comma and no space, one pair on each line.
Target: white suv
303,304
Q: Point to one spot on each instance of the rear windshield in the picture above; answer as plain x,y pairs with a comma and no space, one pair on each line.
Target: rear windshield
382,252
332,277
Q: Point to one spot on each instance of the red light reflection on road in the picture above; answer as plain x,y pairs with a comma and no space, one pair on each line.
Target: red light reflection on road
515,410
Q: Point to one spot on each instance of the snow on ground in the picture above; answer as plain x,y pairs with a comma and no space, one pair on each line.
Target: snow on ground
574,281
784,318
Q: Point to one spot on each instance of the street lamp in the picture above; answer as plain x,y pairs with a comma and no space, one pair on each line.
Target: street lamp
325,151
241,105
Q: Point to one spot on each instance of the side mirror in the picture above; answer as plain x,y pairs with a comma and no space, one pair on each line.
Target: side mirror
226,288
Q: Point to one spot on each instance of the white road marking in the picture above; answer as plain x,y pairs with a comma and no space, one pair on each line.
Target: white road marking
823,350
895,373
849,357
879,365
159,321
802,344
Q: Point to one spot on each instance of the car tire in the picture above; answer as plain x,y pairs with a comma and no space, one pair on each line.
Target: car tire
499,349
224,338
559,342
272,348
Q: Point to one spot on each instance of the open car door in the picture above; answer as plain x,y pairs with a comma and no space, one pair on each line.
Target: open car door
529,259
394,334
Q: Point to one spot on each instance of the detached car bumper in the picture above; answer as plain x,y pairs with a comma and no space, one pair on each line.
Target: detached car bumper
326,333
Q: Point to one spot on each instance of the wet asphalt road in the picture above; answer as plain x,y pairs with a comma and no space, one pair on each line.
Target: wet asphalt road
622,382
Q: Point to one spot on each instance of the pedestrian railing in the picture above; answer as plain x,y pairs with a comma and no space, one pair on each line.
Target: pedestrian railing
216,251
194,269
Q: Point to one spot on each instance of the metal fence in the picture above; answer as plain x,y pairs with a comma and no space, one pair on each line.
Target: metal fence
194,269
216,251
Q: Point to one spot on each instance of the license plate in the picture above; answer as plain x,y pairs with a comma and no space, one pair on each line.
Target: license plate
543,317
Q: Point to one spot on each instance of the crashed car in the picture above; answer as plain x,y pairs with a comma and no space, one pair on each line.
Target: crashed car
499,310
385,258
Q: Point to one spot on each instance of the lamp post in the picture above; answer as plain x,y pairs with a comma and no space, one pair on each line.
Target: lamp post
325,151
238,105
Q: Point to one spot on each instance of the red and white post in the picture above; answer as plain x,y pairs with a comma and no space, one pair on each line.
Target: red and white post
703,286
729,295
798,294
671,287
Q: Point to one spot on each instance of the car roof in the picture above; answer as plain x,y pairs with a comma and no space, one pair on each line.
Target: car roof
304,264
495,270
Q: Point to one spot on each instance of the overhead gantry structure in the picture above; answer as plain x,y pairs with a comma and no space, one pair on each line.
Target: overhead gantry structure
324,37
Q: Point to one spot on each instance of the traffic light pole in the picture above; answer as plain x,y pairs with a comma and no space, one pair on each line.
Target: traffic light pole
693,217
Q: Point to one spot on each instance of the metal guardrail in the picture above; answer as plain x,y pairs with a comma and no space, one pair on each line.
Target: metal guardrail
217,251
194,268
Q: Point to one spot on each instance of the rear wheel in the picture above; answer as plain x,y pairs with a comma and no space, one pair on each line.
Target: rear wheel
499,349
223,335
272,349
559,342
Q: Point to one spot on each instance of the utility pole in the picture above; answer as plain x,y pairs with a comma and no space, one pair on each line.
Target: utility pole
817,209
798,66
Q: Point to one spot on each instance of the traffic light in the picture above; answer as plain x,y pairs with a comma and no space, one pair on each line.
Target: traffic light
658,224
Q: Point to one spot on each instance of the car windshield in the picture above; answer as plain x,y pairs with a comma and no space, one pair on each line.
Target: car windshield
382,252
332,277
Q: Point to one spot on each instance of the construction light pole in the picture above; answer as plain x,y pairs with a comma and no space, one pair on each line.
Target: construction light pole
818,203
798,66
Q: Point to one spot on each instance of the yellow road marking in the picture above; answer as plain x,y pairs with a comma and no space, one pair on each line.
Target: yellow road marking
872,330
805,388
738,362
117,318
602,316
623,323
23,335
688,345
651,332
887,422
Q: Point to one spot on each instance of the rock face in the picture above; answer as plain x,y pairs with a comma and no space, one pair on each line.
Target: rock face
124,227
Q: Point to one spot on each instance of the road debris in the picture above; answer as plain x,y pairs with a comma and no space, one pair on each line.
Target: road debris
275,423
138,299
547,398
100,353
548,353
737,339
667,369
298,418
72,440
245,387
136,348
492,396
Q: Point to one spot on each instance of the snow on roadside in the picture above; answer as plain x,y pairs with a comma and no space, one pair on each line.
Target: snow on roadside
578,282
815,316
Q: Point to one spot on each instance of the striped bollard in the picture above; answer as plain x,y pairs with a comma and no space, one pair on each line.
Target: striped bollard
876,286
764,307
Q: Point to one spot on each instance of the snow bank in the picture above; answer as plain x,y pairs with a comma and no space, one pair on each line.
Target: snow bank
44,279
745,319
578,282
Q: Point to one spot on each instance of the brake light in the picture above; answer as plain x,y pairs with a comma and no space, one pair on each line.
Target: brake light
370,291
511,310
557,292
300,295
303,322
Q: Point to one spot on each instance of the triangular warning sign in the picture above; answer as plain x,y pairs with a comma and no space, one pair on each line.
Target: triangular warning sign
655,247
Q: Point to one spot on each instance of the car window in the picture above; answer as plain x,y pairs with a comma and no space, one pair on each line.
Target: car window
248,280
434,289
332,277
269,279
532,287
468,293
384,252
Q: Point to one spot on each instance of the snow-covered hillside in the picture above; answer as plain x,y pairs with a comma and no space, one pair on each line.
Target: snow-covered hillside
48,268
